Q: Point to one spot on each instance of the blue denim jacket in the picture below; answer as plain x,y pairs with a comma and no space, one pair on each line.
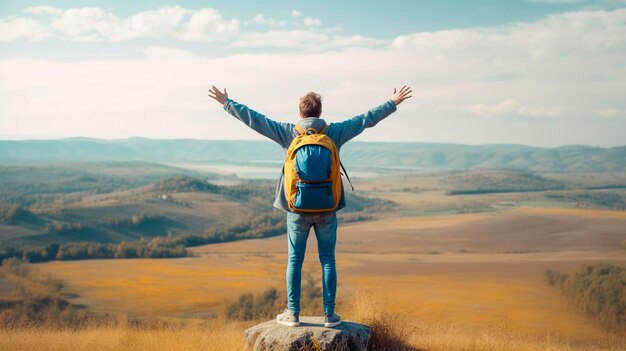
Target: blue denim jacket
283,133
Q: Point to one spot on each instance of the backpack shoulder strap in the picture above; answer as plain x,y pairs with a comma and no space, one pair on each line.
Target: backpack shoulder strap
299,129
302,131
346,174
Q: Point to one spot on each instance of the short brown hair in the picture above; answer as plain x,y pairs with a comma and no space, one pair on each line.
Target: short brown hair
311,105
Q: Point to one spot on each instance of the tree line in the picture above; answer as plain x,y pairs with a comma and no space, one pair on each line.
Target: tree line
603,199
599,290
261,226
12,213
155,248
510,182
266,223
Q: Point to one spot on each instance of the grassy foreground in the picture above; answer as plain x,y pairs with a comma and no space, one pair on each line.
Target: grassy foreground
388,333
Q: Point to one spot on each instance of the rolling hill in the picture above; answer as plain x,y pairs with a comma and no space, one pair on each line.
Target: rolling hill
111,202
383,155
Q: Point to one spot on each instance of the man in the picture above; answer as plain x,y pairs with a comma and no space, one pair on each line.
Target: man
299,224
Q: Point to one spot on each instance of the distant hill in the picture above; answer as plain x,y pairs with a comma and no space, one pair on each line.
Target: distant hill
97,201
570,158
110,202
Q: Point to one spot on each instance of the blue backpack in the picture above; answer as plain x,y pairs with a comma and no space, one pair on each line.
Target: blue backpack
312,172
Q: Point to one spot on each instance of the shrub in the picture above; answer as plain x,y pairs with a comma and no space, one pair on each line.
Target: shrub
598,290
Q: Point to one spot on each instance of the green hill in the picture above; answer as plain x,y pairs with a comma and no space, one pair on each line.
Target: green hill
110,202
570,158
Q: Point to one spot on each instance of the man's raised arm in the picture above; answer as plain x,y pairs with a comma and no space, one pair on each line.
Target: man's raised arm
354,126
280,132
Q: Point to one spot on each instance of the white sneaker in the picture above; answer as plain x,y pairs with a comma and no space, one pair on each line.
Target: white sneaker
331,320
288,318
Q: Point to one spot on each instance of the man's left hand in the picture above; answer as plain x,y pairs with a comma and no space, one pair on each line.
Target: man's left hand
216,94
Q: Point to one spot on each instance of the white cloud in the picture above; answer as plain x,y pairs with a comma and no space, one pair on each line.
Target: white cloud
282,39
85,23
356,40
155,23
515,83
555,37
512,108
196,25
43,10
208,25
22,29
312,22
296,13
268,21
611,113
159,52
304,39
95,24
333,29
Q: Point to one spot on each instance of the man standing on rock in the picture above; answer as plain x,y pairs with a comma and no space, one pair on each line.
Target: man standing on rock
299,223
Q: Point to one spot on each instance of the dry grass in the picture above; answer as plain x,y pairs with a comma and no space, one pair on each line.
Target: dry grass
390,331
168,286
468,290
194,335
471,302
448,301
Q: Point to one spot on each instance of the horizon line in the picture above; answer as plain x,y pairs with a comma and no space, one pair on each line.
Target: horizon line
52,138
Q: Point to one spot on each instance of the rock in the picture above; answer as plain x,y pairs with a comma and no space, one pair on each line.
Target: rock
310,335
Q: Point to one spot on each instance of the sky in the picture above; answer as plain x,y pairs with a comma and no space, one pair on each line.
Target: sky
535,72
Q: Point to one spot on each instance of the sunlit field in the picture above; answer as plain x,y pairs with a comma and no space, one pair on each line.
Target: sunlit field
396,331
445,275
166,287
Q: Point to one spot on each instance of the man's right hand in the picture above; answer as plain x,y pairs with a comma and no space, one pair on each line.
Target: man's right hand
402,95
216,94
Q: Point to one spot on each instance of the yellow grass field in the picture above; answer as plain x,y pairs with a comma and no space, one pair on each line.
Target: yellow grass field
221,335
165,286
213,335
454,276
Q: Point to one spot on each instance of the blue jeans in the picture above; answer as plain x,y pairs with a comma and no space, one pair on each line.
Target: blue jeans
298,227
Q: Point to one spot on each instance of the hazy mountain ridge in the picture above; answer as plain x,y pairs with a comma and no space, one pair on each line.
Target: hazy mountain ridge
569,158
